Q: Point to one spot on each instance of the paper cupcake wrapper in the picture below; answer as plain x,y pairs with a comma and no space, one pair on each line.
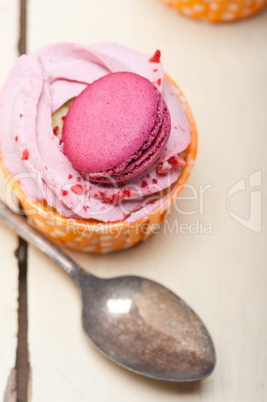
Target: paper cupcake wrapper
218,10
99,237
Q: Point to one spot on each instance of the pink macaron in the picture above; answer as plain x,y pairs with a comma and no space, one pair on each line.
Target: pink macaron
116,128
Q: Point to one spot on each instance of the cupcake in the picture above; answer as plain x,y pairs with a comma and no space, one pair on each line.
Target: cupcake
96,142
218,10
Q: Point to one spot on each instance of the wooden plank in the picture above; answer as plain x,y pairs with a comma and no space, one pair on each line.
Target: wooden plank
8,240
221,272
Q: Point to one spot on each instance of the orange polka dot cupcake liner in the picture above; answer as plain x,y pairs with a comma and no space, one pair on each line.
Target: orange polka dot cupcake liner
217,10
98,237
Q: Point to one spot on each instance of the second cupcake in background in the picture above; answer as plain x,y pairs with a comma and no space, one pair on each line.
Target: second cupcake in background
217,10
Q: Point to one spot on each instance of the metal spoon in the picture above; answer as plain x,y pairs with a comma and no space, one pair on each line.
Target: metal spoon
134,321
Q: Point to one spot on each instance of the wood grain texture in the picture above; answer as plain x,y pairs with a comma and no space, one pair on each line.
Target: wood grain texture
8,240
217,265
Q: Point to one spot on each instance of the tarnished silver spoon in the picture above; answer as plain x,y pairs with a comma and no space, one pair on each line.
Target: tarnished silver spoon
134,321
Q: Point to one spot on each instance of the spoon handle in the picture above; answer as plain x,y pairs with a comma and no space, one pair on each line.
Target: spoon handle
21,226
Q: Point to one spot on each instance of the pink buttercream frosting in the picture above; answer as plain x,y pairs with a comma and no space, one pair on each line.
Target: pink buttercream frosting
38,85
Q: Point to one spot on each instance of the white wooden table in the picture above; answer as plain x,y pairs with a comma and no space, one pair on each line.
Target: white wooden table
210,253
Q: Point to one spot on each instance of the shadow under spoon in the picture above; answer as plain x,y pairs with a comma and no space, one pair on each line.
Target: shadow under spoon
136,322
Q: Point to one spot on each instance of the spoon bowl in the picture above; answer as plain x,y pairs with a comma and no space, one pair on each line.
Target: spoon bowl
146,328
134,321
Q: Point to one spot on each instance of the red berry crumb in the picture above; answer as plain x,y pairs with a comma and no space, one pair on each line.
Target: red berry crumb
85,208
155,181
159,81
65,192
55,130
148,175
176,161
155,70
144,184
25,154
63,118
70,176
156,57
127,192
114,199
77,189
20,115
173,162
78,178
16,138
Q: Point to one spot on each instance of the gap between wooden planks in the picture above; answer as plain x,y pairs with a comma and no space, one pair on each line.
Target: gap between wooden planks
19,377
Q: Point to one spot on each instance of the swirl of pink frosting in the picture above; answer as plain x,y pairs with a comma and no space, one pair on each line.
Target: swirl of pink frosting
38,85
